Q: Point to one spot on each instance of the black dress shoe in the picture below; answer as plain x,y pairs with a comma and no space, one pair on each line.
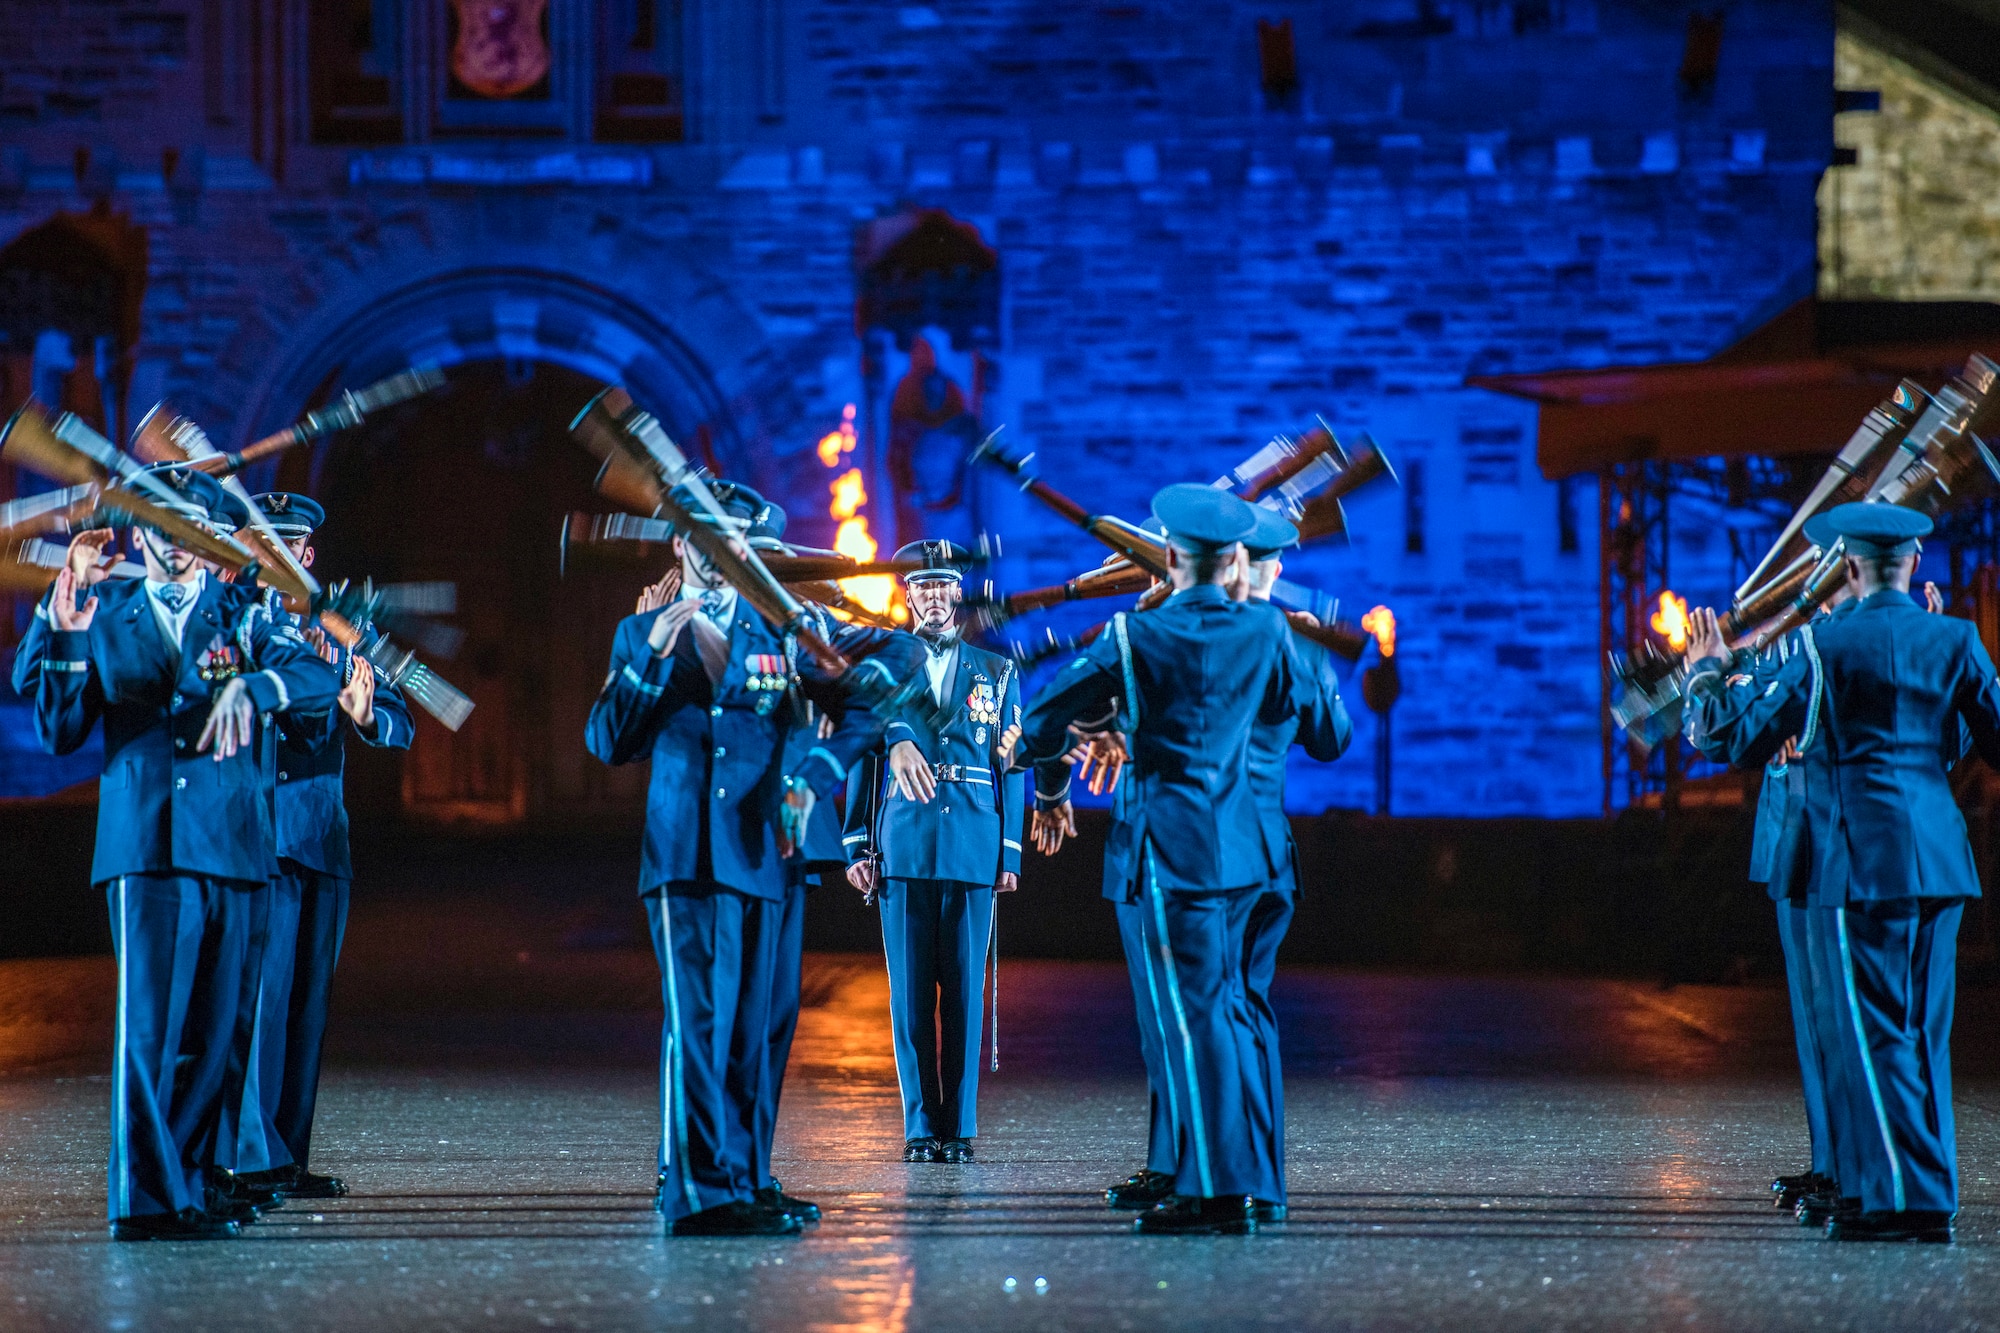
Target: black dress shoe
955,1150
1140,1191
921,1150
1816,1209
1184,1215
240,1189
187,1224
222,1208
737,1218
312,1185
1786,1191
1918,1227
1266,1211
771,1196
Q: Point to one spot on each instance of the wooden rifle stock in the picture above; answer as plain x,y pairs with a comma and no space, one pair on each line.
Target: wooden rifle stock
1861,460
1116,577
1134,543
1311,446
608,427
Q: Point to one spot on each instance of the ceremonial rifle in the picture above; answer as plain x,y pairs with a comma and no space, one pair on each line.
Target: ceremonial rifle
70,450
649,467
154,443
1137,545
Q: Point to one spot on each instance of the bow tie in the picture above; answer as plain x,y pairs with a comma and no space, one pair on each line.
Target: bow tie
711,603
174,596
940,646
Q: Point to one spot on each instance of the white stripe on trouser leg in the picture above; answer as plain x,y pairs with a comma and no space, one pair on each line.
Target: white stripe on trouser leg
1867,1061
121,1175
674,1112
1198,1130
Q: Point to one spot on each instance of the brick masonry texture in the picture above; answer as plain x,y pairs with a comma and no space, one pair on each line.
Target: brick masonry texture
1188,268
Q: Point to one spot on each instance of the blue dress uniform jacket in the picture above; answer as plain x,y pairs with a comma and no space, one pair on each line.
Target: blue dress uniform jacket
312,774
718,752
1205,669
1317,720
1896,681
162,805
971,830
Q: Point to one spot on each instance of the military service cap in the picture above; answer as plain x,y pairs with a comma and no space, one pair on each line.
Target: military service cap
1274,533
943,561
291,516
1869,529
1202,520
196,495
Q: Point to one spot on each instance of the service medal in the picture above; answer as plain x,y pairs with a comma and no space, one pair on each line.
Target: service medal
219,662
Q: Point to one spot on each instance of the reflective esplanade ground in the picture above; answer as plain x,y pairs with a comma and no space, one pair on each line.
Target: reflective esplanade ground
1492,1153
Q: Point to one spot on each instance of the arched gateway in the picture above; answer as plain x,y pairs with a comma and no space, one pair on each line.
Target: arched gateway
470,484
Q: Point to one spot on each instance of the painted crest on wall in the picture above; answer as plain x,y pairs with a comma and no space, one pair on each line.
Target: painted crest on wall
500,51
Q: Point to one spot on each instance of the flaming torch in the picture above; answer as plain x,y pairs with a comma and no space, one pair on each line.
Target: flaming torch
880,593
1670,622
1381,686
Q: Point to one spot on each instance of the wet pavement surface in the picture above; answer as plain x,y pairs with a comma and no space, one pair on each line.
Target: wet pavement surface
1497,1153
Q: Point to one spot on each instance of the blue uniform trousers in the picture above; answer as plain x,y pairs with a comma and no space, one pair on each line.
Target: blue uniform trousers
783,1019
1804,981
1897,983
302,946
1270,918
717,950
935,935
1211,1055
187,949
1152,1035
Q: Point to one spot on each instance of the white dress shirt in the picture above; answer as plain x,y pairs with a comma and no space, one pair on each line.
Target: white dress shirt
939,667
173,623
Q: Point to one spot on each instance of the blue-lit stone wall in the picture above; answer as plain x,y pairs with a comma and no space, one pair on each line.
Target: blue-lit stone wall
1189,265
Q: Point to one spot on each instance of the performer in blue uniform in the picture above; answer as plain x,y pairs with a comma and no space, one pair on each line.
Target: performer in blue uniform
711,694
1319,722
1192,679
310,894
934,849
180,667
1885,688
1781,860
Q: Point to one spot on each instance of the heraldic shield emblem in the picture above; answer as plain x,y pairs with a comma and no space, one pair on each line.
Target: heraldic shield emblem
500,51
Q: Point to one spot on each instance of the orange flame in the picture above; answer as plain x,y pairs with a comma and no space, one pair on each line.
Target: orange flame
837,443
1381,622
1671,621
880,593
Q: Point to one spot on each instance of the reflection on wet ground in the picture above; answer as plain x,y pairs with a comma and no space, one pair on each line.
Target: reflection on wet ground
1506,1152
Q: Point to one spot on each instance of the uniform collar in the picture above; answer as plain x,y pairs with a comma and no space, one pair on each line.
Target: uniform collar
1885,597
1201,592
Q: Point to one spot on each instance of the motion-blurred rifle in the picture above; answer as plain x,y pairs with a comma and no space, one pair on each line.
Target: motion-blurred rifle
154,440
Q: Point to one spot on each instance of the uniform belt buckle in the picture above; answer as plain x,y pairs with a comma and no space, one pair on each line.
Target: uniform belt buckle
948,772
